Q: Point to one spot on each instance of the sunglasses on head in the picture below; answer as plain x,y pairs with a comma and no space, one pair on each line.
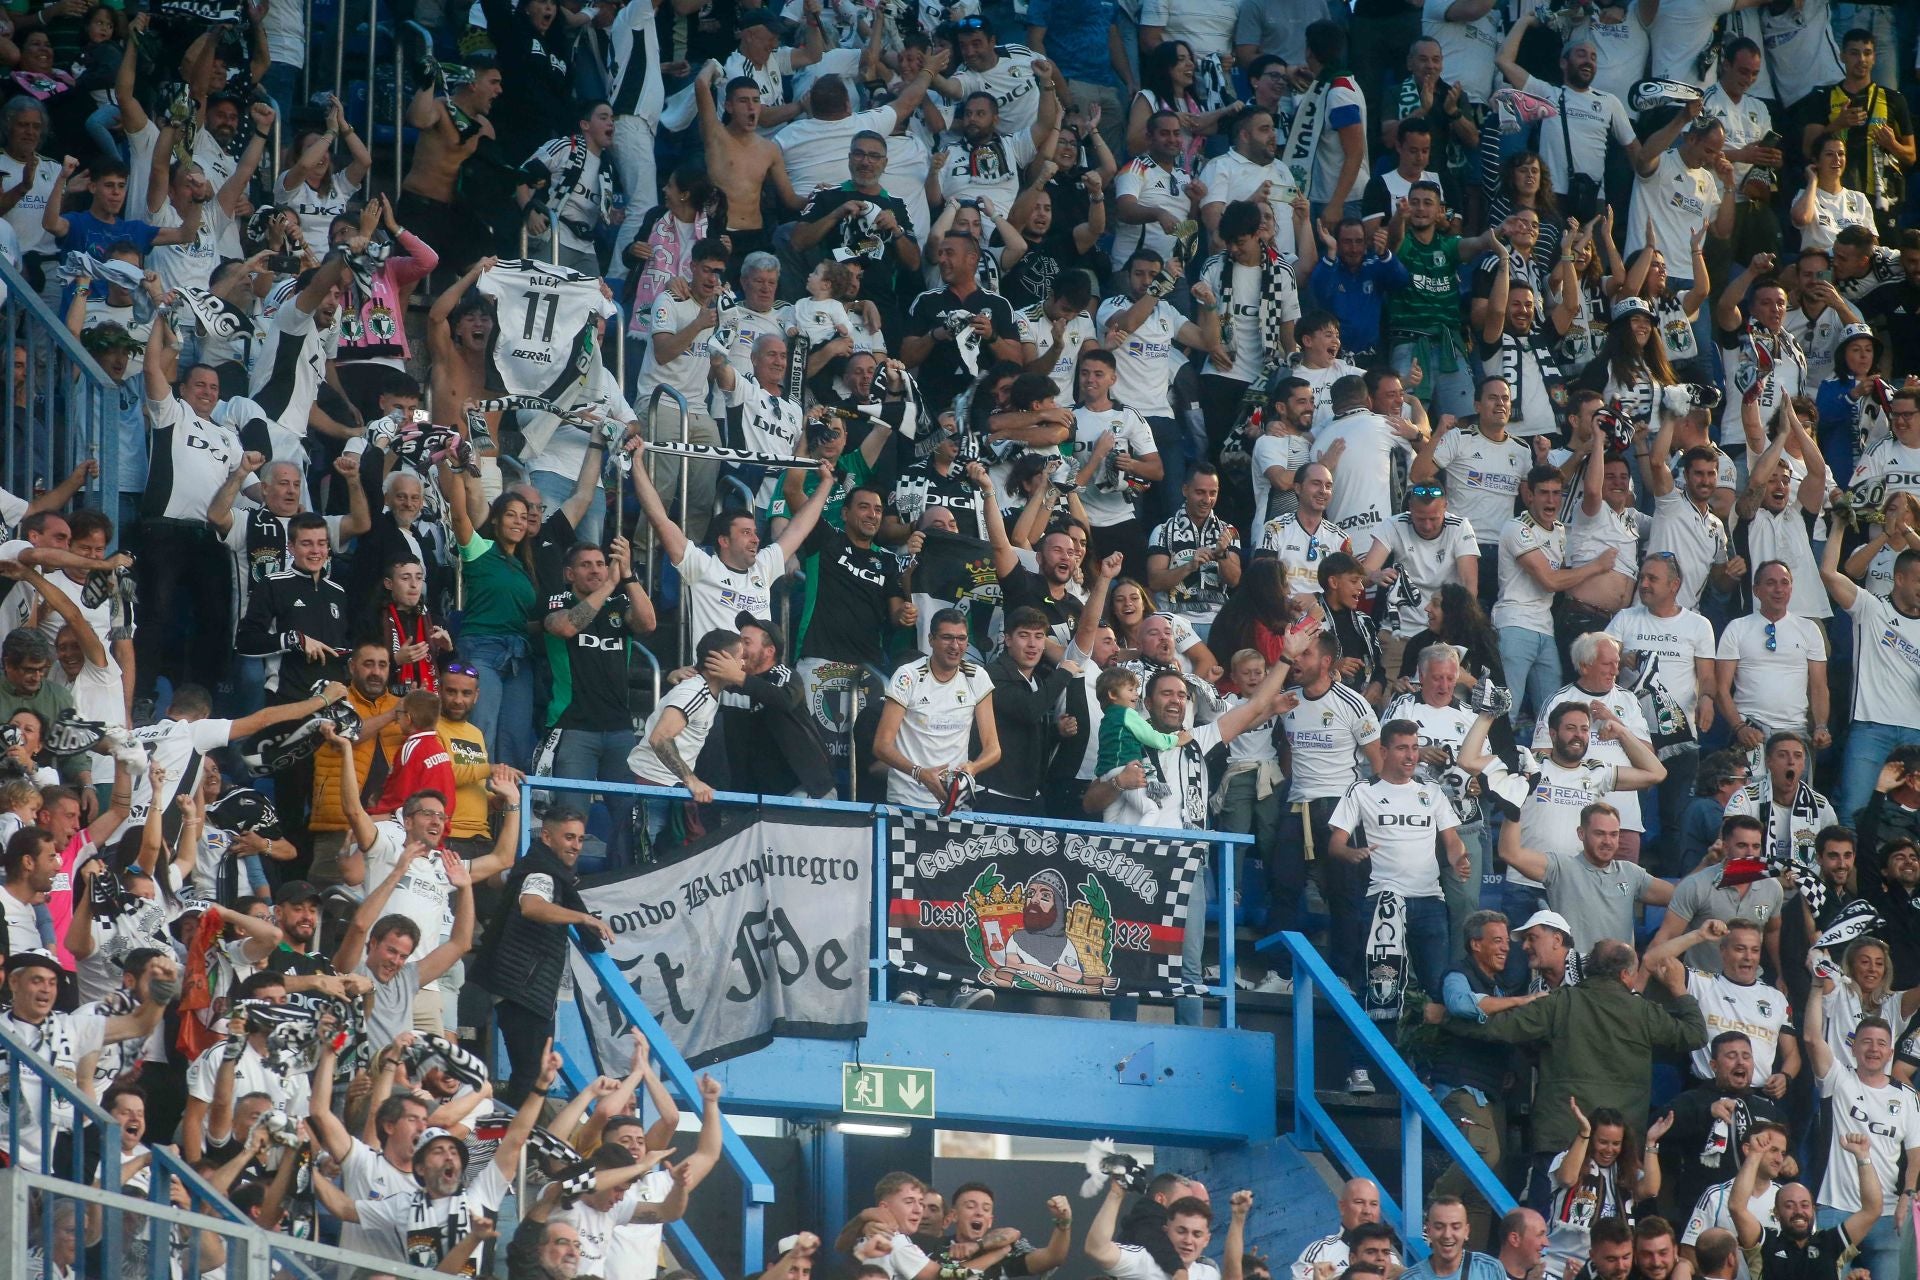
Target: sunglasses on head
971,24
1426,491
461,669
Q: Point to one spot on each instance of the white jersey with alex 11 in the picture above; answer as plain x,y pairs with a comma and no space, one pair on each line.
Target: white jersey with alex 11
547,325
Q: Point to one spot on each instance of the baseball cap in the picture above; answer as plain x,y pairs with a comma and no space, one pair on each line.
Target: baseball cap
1631,307
1551,919
295,891
745,619
32,958
761,18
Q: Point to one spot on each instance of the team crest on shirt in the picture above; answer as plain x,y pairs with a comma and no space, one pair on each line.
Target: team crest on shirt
1765,1007
1426,801
1326,718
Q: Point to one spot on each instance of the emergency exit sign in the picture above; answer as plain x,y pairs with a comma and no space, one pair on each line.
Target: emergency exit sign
886,1091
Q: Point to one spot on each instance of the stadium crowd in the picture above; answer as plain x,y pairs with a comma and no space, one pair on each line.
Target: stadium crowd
1472,447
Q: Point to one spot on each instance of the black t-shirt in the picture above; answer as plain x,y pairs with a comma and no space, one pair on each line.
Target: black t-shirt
550,547
853,238
1027,281
848,588
304,964
590,667
1816,1258
1896,314
1023,588
944,375
1817,109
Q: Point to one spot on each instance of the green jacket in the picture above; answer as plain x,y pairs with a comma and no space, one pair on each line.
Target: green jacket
1596,1043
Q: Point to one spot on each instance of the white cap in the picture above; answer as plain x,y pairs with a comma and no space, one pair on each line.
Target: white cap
1552,919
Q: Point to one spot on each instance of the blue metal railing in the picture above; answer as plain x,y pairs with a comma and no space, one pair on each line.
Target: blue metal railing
1221,842
1419,1113
61,408
94,1132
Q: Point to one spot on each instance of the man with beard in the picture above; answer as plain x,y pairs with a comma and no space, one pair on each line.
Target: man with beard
374,749
424,1228
861,221
933,348
1711,1212
1043,587
854,592
64,1039
1592,121
1724,1109
773,742
1895,894
457,151
1251,170
1795,1250
1041,943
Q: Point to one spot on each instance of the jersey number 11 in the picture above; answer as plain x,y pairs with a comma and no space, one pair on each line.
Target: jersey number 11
534,300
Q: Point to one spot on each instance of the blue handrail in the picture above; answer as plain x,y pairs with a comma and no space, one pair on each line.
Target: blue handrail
87,1114
880,813
1419,1113
756,1184
66,397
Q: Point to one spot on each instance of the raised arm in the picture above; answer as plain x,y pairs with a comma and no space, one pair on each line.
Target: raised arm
1528,862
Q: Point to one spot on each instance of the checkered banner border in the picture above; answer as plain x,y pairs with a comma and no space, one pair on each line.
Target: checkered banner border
908,834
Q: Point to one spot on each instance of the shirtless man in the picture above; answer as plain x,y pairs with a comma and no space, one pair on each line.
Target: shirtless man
741,162
458,333
451,130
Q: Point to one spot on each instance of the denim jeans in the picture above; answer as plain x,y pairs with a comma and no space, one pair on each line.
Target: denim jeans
1452,392
281,83
558,491
1170,438
1676,793
1187,1010
504,712
602,756
1533,668
1868,744
1426,941
1463,896
1879,1252
1517,903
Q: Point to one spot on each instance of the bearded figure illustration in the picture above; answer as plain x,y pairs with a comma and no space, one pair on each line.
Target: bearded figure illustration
1041,942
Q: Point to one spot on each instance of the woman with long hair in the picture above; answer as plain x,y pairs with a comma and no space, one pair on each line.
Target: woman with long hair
662,249
1851,415
1826,205
1254,616
1862,989
1166,84
1631,365
1673,314
501,610
1603,1173
1596,260
312,187
1129,604
1454,617
1524,185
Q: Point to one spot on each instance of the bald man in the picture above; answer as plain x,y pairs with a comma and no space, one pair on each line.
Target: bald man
1359,1202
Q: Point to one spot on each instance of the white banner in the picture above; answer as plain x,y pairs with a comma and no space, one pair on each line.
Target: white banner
758,933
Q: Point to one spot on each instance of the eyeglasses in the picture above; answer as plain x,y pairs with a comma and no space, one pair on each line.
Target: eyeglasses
1426,492
859,154
1773,637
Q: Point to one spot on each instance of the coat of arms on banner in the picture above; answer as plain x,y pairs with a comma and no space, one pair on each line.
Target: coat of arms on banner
1033,937
1030,909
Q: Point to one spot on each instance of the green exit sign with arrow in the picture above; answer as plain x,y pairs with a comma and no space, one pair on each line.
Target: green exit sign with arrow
886,1091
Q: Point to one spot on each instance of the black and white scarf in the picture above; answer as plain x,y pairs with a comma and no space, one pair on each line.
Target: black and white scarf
1803,811
1576,969
1303,133
1514,348
80,265
216,316
1385,969
720,453
571,181
1276,285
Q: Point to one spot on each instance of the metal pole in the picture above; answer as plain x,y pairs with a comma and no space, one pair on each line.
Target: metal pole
399,113
339,45
306,65
373,52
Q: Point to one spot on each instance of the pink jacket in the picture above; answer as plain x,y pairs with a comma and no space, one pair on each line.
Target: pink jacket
672,256
374,327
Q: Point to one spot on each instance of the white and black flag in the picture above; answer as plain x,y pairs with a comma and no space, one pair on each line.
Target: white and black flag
759,932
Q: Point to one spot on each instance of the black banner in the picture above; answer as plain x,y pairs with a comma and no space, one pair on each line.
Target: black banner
1033,910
